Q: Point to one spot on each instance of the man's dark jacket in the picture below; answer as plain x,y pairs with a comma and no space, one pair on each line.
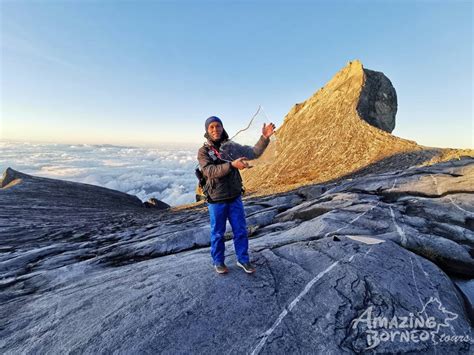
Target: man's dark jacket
224,182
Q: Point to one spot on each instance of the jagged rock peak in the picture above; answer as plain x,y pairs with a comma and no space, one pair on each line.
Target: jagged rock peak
376,99
343,128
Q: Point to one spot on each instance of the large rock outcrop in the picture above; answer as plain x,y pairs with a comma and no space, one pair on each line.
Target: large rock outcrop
40,191
342,130
68,196
331,259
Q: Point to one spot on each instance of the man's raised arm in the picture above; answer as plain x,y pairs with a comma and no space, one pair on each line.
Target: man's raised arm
258,149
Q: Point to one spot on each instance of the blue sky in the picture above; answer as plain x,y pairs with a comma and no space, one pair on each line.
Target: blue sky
150,72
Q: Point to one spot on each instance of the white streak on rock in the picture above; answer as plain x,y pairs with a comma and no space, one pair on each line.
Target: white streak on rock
400,231
459,207
292,305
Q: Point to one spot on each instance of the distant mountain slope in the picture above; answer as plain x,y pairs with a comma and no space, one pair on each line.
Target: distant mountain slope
41,191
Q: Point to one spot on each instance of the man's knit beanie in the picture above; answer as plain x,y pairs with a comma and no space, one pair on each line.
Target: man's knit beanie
212,119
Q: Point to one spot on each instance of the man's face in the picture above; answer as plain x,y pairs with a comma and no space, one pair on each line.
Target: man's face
215,130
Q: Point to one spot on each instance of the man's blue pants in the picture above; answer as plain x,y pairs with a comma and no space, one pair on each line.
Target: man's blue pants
219,213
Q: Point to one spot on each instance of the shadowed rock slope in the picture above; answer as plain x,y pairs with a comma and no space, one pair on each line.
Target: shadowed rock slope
51,193
344,128
86,276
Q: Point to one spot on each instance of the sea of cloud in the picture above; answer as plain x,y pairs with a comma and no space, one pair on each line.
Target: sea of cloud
165,172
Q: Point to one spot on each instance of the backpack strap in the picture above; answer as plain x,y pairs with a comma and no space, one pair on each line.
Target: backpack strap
213,152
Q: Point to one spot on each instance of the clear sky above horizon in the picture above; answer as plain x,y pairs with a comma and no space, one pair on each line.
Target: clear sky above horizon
150,72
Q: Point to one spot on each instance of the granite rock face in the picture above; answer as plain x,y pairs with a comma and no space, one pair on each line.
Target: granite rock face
336,263
378,101
342,130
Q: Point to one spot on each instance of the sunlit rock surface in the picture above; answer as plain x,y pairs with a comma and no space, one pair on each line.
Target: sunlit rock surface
341,131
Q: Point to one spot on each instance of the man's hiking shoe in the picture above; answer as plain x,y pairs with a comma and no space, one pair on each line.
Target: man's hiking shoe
221,269
248,268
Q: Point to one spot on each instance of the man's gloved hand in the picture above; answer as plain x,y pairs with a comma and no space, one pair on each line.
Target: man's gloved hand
240,163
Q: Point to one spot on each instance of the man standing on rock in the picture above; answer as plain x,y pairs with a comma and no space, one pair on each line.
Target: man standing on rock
224,189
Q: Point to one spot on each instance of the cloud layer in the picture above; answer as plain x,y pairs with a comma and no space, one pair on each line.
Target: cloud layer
166,173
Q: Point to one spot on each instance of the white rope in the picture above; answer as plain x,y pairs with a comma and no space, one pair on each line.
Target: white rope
250,123
259,109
